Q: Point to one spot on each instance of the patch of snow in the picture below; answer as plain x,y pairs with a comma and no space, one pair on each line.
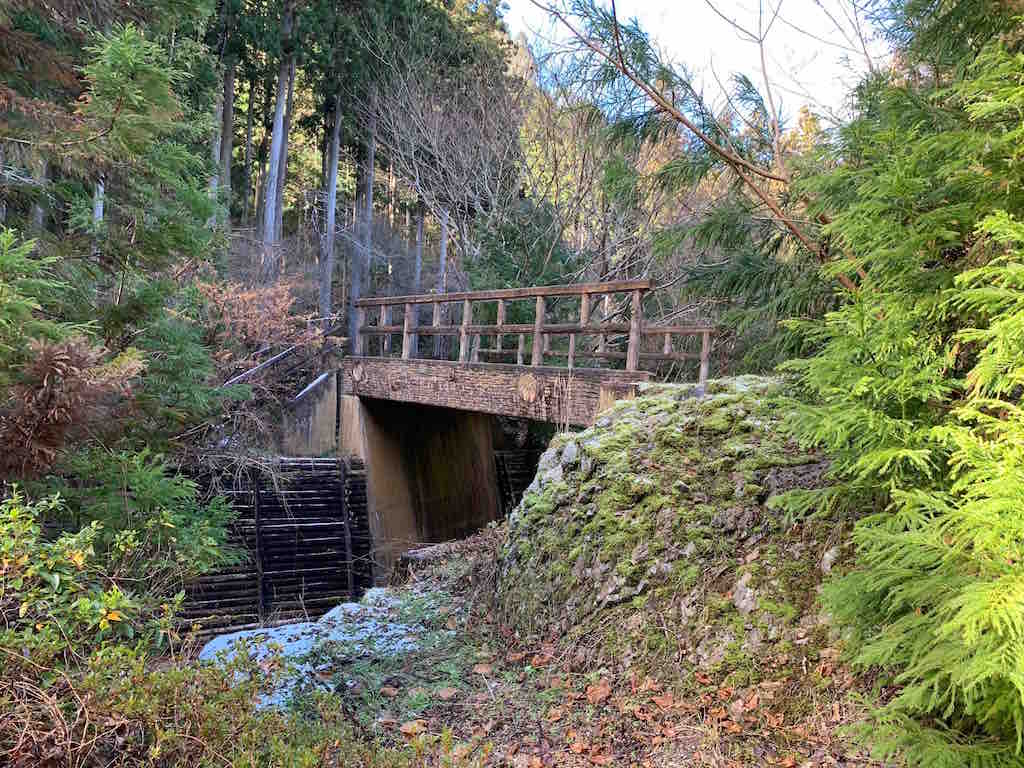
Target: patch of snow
366,628
569,454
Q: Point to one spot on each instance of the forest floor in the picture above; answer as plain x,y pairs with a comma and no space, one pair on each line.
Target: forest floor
495,700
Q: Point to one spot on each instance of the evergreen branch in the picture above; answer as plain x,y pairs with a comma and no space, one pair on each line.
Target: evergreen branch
743,168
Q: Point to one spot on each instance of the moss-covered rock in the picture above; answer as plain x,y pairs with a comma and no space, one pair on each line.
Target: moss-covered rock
651,539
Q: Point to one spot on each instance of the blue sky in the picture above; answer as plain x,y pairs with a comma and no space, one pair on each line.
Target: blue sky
813,55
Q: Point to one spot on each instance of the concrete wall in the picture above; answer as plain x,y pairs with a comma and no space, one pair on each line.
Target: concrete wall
430,472
308,423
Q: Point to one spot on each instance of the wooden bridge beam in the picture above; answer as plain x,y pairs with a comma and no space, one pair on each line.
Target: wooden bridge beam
543,393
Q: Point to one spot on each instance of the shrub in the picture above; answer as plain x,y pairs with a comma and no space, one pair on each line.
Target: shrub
93,673
916,394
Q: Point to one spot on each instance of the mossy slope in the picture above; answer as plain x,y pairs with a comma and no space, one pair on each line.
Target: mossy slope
651,539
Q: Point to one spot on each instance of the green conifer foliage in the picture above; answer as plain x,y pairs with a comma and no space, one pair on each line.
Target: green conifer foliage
916,393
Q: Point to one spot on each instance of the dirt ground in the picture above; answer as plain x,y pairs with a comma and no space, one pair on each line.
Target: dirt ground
496,698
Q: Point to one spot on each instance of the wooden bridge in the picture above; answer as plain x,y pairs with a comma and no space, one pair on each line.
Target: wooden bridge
574,350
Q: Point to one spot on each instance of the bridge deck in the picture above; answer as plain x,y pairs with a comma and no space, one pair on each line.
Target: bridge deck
543,393
602,333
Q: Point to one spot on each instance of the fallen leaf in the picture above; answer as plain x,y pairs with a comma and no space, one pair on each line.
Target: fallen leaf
598,693
452,623
555,714
649,684
773,720
447,694
389,691
413,727
515,658
483,669
664,702
578,747
601,759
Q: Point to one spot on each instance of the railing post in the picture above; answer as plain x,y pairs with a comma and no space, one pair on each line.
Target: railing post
666,348
538,341
635,323
606,309
520,349
467,316
584,322
385,319
705,357
407,335
357,342
436,323
501,321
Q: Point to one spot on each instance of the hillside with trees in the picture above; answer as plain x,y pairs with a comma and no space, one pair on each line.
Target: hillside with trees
190,188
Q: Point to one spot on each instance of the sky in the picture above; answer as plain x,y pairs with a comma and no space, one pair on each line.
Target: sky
811,48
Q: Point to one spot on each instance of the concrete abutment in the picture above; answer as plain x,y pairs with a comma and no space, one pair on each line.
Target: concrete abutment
430,472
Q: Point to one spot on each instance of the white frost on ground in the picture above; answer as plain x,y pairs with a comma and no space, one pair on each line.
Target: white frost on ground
368,628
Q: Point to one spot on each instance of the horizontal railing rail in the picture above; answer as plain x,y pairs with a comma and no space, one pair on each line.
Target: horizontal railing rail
607,329
577,289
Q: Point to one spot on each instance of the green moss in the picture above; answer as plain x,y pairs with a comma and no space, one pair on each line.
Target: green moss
784,611
719,421
685,575
665,465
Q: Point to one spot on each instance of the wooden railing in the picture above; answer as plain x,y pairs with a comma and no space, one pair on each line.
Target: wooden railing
592,296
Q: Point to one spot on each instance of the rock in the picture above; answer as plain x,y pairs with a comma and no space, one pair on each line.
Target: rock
547,460
646,519
829,559
713,649
552,475
736,519
743,597
570,454
586,466
754,641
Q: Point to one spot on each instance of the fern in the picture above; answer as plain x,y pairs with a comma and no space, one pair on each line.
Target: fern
915,391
